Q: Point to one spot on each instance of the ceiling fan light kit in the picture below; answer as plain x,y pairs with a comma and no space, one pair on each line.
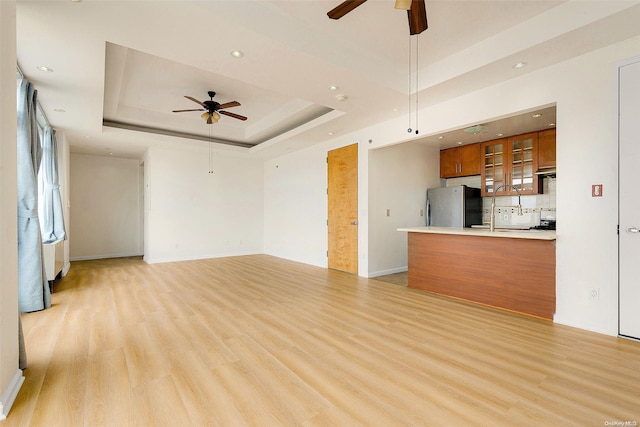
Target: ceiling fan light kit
213,109
403,4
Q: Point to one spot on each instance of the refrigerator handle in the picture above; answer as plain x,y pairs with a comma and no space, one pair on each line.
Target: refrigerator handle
428,212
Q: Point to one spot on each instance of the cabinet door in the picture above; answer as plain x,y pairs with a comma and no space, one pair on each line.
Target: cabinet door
524,163
547,149
469,156
449,163
494,156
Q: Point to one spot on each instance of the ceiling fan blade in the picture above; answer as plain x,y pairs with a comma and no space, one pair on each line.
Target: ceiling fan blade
195,100
344,8
235,116
182,111
417,17
228,105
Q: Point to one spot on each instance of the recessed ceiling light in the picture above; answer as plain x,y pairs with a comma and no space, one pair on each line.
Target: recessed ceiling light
341,98
237,53
536,115
45,69
459,142
395,110
76,1
551,124
330,134
520,65
441,137
499,134
59,110
333,87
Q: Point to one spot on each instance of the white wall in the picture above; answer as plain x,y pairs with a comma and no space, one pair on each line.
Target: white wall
295,204
191,214
584,91
295,200
105,207
398,178
10,375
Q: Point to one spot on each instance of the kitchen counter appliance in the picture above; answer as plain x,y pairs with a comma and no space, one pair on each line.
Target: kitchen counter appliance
545,224
457,206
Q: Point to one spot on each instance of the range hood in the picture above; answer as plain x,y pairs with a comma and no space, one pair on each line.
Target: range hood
550,172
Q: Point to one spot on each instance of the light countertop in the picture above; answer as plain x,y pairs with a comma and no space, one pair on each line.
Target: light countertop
500,232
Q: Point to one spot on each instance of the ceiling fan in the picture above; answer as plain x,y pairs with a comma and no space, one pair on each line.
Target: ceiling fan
213,109
416,12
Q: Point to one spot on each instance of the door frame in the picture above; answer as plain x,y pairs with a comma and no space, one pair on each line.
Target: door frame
618,66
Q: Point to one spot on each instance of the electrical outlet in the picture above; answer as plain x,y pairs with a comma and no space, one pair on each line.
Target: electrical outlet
595,294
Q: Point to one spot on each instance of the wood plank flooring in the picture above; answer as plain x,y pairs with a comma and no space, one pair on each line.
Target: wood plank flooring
261,341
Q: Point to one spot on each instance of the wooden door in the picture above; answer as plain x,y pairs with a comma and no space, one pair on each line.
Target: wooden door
629,202
342,191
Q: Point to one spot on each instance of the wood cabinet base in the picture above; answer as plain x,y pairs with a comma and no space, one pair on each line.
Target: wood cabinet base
514,274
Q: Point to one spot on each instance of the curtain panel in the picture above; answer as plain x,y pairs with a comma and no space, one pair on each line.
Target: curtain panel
51,218
33,288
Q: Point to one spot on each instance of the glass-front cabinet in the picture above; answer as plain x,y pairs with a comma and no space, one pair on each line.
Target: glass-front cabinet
493,170
510,162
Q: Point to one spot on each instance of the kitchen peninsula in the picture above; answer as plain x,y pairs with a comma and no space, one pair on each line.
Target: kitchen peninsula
508,269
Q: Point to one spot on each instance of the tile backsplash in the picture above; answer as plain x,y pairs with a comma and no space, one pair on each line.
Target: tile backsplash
534,207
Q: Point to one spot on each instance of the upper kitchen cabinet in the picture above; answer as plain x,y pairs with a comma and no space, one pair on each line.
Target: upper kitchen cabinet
460,161
510,162
547,149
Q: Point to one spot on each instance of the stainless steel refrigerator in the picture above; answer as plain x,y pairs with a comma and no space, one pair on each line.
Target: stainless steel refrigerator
458,206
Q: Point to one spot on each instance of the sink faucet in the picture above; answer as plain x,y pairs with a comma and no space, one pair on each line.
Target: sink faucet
492,226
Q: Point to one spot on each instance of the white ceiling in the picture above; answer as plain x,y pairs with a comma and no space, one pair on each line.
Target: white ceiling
127,64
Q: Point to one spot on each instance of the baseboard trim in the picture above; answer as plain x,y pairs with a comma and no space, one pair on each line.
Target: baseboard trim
8,396
385,272
149,260
92,257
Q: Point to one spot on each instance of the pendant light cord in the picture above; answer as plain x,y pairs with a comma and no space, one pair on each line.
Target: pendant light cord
417,65
409,86
417,72
210,149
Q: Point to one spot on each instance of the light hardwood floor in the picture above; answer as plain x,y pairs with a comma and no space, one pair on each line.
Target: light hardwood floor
261,341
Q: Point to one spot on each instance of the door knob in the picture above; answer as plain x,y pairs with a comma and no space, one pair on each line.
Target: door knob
633,230
354,222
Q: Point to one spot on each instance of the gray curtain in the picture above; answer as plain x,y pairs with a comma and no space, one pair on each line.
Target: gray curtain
51,217
33,288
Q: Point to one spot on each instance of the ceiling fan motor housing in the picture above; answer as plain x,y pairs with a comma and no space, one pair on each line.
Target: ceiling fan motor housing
211,105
